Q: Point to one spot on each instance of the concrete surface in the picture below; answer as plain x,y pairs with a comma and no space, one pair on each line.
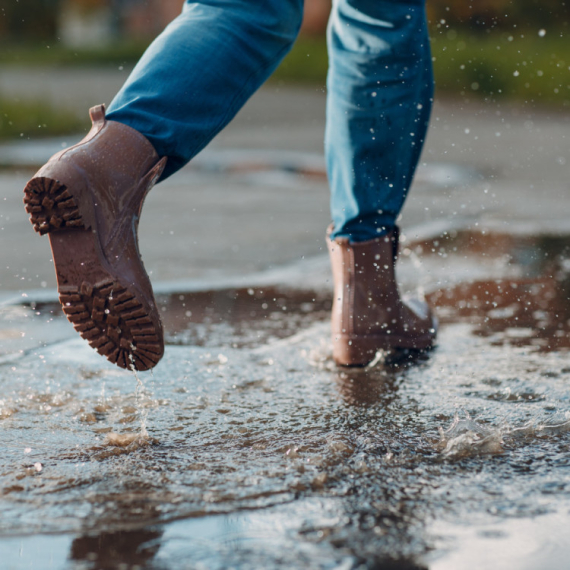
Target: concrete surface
241,209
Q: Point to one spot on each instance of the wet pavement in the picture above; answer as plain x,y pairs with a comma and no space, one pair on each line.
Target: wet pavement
238,209
247,447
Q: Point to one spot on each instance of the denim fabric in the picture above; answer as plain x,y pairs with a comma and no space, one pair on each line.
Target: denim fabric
380,91
200,71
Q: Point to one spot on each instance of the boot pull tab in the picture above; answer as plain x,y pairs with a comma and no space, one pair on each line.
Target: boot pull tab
97,115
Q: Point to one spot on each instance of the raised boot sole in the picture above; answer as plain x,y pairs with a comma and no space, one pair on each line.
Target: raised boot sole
106,310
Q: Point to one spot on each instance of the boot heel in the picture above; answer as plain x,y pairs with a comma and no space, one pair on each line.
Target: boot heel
51,206
114,322
347,352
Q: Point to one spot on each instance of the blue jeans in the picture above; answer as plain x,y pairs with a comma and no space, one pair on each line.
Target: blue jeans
201,70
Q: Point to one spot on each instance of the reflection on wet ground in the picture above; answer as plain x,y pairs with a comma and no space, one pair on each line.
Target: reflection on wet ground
261,453
241,318
529,311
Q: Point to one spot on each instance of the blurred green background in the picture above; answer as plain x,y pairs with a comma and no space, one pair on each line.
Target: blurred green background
488,49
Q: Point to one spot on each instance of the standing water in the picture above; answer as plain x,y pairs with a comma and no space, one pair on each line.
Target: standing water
249,448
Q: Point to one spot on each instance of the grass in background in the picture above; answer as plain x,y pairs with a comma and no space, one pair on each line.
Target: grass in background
531,66
120,53
523,67
306,63
22,119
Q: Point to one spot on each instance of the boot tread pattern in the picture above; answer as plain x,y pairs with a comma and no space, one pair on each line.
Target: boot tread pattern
51,206
114,323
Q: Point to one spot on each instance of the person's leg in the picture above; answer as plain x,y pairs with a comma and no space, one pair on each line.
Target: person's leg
201,70
378,106
380,91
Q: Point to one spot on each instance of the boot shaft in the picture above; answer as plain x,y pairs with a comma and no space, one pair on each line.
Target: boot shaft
365,291
115,162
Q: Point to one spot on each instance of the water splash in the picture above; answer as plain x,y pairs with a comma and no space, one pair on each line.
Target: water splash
123,439
246,425
466,437
141,437
142,410
6,411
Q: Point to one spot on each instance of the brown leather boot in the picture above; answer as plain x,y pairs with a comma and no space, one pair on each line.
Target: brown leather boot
368,313
89,198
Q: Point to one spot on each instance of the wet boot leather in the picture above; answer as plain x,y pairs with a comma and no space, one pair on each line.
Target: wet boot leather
368,313
88,199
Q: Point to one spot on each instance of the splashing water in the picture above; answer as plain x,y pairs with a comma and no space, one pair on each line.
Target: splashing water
141,408
465,437
141,404
271,456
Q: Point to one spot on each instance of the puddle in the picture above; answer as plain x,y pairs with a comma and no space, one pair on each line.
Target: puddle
532,310
241,318
261,453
